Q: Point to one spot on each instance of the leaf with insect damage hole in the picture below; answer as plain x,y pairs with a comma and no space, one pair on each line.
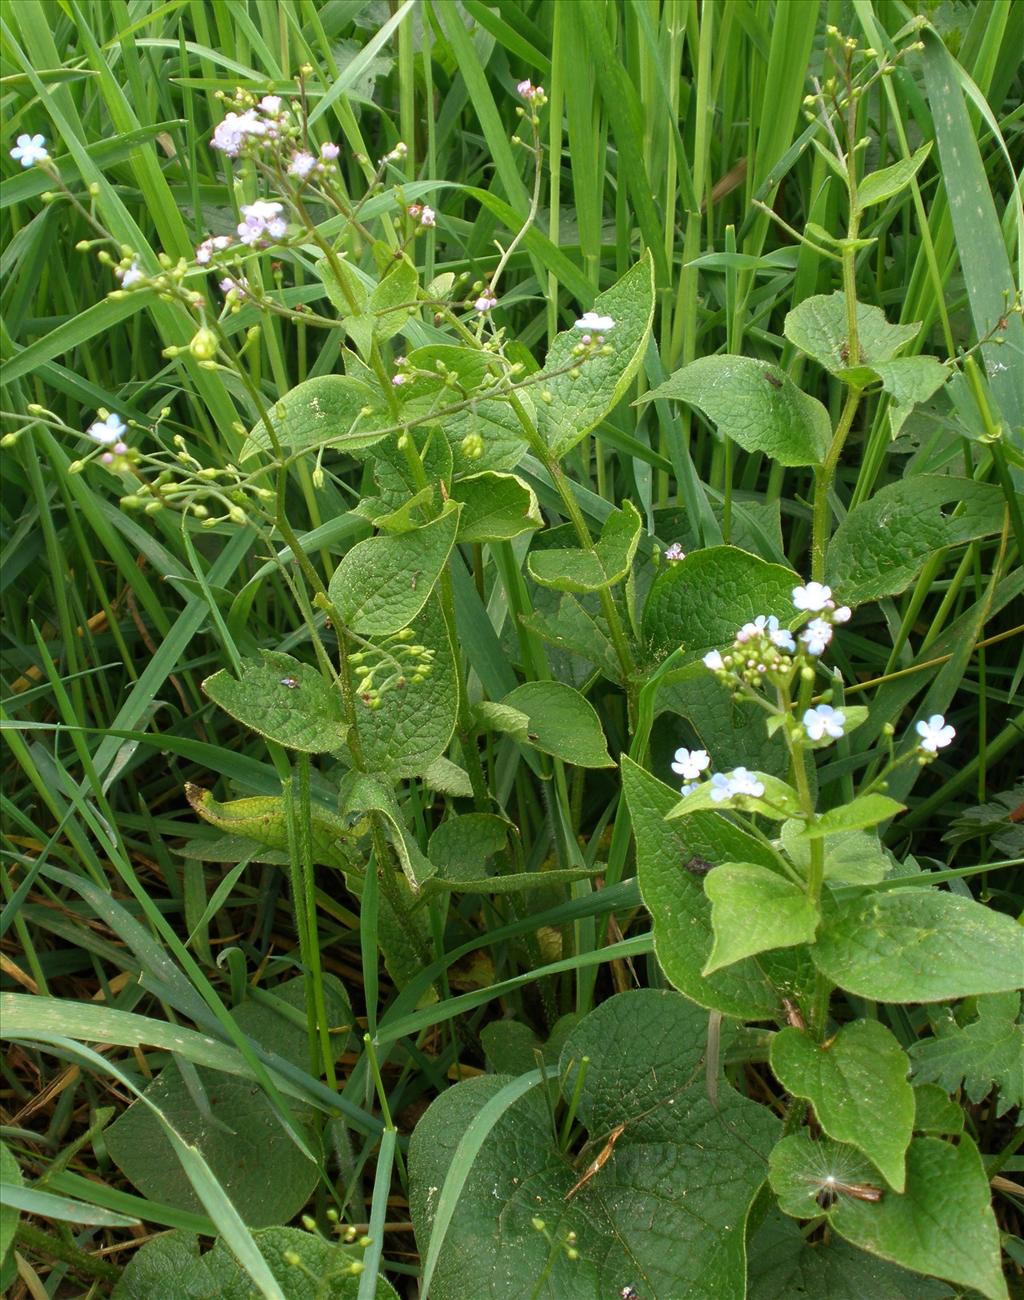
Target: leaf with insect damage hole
283,700
857,1084
382,583
664,1211
328,408
230,1119
942,1225
170,1265
755,404
818,326
573,402
882,545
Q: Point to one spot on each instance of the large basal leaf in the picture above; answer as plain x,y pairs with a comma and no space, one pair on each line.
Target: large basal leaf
284,700
784,1266
170,1266
672,857
328,407
562,723
382,583
664,1213
983,1054
608,562
264,819
919,945
571,407
755,404
942,1225
495,507
818,327
882,545
755,909
701,602
857,1084
231,1121
414,723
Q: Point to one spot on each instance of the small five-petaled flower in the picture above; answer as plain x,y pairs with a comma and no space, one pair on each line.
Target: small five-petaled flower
824,721
935,733
29,150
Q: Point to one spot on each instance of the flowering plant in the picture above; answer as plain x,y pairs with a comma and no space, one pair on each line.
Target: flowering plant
433,524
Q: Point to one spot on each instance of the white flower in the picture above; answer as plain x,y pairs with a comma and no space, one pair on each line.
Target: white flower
399,380
261,218
399,152
688,787
29,150
428,217
842,614
814,597
230,135
675,552
935,733
596,324
690,763
130,275
486,301
530,92
236,286
301,165
824,721
713,660
330,151
107,431
738,781
208,247
816,636
782,638
271,104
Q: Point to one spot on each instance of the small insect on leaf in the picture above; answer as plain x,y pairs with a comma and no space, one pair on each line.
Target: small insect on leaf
774,380
291,682
698,866
629,1293
833,1188
793,1016
602,1158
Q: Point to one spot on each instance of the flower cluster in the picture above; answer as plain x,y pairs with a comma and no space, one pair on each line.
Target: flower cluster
392,665
764,649
261,223
421,214
674,553
109,433
533,95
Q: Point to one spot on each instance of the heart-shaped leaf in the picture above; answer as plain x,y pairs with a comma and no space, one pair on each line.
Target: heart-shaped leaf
664,1210
755,404
857,1084
608,562
754,909
328,408
285,700
818,326
919,945
562,723
576,400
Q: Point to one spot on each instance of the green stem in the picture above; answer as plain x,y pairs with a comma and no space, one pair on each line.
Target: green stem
41,1243
823,477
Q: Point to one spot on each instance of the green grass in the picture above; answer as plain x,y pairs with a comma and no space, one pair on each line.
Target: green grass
672,129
